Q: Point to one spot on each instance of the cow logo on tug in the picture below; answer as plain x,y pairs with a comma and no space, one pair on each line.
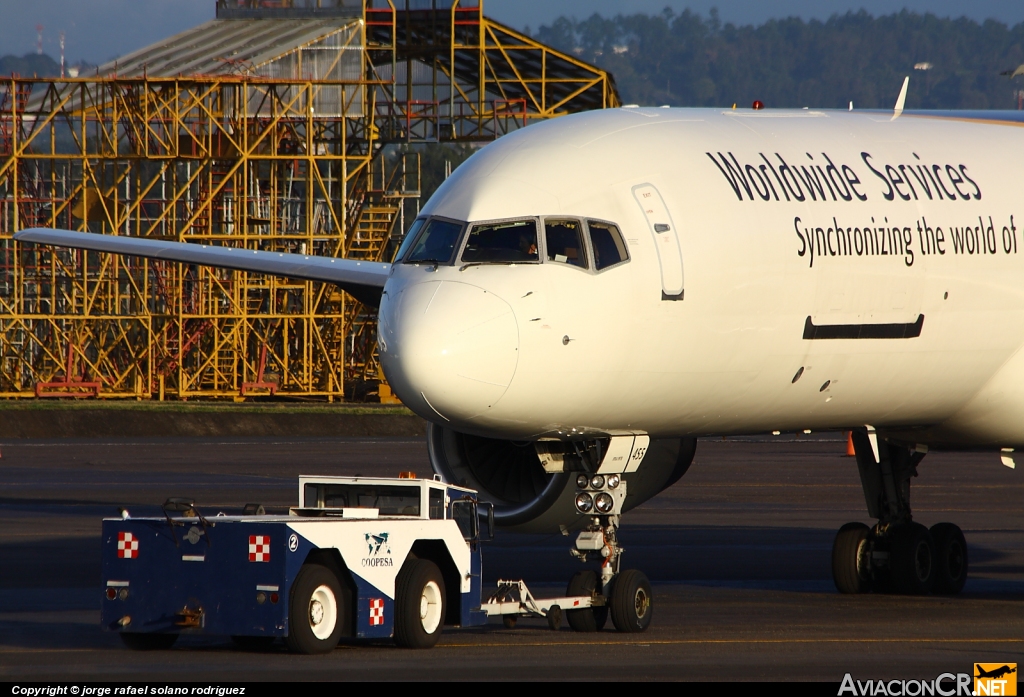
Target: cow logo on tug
378,549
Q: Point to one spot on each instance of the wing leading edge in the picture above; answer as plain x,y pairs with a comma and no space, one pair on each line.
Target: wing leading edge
362,279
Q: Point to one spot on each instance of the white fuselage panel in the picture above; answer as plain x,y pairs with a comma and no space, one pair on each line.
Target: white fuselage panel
849,219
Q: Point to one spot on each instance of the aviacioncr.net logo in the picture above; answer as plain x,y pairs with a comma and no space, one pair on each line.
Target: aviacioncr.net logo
945,685
995,679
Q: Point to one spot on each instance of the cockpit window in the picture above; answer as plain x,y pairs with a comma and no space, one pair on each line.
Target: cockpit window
609,248
410,237
434,243
565,241
508,242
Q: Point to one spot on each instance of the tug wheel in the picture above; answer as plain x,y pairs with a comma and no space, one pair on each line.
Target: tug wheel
314,612
589,619
631,600
555,618
419,604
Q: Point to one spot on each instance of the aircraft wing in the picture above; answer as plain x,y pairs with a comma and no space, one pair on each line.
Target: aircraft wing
362,279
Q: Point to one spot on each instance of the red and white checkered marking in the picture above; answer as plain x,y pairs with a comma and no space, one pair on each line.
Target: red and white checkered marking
127,546
376,611
259,548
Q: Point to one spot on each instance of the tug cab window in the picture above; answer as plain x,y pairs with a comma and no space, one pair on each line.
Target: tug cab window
609,248
436,503
389,500
310,496
565,242
502,243
464,513
431,242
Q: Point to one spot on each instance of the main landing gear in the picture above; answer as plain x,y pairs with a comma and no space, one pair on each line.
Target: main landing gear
896,555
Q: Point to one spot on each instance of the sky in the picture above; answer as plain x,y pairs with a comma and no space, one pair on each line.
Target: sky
99,30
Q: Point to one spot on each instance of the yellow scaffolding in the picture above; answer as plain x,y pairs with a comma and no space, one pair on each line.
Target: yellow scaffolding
260,156
459,75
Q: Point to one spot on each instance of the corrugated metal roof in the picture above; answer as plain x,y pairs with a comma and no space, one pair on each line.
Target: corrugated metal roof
225,47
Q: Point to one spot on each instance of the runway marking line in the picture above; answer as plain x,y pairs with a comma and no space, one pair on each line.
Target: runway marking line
639,644
5,651
680,642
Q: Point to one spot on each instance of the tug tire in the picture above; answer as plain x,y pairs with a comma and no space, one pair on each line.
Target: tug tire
315,611
554,618
419,604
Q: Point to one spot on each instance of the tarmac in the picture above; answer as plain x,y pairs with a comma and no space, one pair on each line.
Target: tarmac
738,553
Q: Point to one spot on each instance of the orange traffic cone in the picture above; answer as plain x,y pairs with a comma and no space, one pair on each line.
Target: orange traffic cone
850,452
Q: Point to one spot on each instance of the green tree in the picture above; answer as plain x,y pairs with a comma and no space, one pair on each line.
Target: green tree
689,60
29,65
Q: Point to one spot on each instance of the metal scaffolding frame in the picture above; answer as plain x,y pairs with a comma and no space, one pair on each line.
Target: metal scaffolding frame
461,76
275,139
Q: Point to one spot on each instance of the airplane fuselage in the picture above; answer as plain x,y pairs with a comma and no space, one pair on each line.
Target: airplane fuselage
786,270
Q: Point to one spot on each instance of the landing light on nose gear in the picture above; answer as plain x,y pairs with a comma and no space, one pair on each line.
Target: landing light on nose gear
897,554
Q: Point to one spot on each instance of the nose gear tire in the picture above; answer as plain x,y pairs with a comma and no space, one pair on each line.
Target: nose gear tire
419,604
950,559
850,563
314,605
590,619
631,601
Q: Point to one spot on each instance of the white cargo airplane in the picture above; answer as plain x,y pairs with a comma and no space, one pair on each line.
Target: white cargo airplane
588,295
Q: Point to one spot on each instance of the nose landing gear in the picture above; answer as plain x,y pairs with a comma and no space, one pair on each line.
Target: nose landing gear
592,595
624,594
897,554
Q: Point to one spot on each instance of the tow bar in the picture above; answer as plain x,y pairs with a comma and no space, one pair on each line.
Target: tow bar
513,600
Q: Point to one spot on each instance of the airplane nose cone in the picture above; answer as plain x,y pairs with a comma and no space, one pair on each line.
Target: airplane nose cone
448,349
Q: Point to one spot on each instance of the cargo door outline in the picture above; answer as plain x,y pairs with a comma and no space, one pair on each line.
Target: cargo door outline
666,239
